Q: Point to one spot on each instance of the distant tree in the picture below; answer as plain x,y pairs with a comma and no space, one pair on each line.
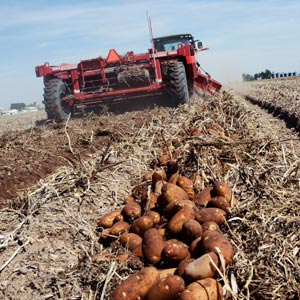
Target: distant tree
18,106
33,104
247,77
267,74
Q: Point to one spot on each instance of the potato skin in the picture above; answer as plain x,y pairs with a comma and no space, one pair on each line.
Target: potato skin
133,242
119,228
210,226
108,219
148,176
196,248
222,189
137,285
129,199
213,239
163,273
204,289
203,197
152,245
181,266
154,215
131,210
172,208
174,252
219,202
141,225
209,214
172,192
173,178
191,230
177,221
168,288
187,185
201,267
159,175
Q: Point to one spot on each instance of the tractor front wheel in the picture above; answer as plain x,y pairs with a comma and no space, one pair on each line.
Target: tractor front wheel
178,83
54,91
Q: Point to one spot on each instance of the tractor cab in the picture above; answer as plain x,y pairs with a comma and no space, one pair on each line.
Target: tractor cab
172,42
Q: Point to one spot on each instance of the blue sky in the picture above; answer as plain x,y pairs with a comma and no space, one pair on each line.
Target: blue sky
243,36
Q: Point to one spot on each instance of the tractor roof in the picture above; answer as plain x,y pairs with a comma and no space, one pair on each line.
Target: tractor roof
183,35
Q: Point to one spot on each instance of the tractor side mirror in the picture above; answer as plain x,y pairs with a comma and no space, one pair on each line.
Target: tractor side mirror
199,45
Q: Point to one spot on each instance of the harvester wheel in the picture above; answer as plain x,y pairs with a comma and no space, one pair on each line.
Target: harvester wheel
54,91
178,83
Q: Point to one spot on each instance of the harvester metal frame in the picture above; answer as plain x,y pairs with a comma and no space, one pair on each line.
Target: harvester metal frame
100,80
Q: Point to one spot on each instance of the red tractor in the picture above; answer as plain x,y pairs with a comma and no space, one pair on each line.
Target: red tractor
169,68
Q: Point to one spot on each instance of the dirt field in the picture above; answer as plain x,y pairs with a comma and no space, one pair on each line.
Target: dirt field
57,180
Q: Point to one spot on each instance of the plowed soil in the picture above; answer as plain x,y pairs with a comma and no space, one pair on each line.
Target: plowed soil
31,154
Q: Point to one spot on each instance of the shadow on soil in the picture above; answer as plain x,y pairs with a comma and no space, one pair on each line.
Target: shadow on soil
119,108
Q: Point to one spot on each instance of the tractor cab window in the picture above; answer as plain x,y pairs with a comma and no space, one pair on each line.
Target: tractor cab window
170,44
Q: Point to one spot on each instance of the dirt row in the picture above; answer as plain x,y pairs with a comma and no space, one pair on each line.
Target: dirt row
279,97
52,228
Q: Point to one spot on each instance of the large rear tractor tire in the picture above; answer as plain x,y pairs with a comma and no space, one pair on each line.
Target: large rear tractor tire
178,83
54,91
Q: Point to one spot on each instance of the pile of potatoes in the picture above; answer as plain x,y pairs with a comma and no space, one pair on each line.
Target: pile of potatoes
175,231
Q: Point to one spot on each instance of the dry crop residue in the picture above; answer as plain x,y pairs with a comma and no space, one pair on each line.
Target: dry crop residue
57,223
29,155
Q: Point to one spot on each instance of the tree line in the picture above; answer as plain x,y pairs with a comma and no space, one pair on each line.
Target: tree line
20,106
267,74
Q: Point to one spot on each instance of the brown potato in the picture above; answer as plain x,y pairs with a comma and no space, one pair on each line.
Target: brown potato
141,225
154,215
202,267
203,197
131,211
173,178
213,239
222,189
129,200
163,159
181,266
168,288
163,273
119,218
137,285
174,252
163,229
204,289
187,185
196,247
176,223
159,174
191,230
108,219
172,208
148,176
172,192
218,202
211,214
152,245
133,242
210,226
119,228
